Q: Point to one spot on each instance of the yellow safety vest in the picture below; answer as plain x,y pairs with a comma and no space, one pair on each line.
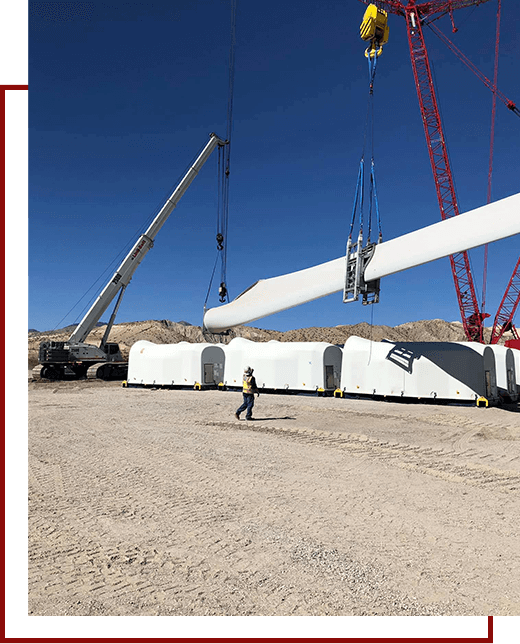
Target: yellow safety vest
248,389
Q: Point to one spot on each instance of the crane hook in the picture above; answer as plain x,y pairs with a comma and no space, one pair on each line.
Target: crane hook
222,291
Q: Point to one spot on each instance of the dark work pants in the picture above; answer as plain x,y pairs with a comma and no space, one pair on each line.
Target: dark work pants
249,401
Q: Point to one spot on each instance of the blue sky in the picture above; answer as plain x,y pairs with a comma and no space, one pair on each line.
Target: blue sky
123,95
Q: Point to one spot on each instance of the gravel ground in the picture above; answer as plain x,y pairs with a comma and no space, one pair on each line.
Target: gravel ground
157,502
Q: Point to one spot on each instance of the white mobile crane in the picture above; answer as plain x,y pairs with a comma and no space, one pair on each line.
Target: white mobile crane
76,359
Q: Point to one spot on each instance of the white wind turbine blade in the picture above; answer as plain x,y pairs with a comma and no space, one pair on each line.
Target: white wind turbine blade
483,225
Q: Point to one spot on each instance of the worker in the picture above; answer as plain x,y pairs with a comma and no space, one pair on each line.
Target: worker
249,390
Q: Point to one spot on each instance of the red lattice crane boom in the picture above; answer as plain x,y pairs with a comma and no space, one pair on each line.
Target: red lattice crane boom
414,14
440,7
506,310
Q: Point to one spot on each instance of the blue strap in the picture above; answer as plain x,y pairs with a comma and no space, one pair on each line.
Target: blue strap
358,197
372,62
376,203
360,185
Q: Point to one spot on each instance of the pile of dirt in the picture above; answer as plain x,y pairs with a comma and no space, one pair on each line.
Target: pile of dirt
168,332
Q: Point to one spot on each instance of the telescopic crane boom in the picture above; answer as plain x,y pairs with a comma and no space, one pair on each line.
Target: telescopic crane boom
76,358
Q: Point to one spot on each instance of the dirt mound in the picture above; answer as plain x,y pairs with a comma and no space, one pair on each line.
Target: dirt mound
168,332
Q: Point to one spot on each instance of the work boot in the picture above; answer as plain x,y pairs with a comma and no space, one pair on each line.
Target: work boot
237,416
249,418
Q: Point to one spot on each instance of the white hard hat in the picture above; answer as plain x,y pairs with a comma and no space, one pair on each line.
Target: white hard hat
248,370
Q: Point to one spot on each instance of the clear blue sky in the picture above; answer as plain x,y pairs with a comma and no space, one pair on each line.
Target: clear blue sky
124,94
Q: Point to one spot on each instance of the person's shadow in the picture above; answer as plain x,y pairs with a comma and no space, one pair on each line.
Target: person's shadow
275,418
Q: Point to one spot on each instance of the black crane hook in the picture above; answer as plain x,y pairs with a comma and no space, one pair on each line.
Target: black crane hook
222,291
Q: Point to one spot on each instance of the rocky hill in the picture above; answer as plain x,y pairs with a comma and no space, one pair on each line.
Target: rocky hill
167,332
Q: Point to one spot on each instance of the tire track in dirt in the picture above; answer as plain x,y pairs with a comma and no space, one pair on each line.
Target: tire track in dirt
147,492
76,566
118,573
154,512
425,460
45,478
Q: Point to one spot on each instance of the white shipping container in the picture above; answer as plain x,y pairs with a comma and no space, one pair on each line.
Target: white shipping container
506,372
181,364
504,366
423,370
289,366
516,358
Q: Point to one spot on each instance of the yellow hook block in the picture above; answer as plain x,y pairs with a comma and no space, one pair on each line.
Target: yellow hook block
374,28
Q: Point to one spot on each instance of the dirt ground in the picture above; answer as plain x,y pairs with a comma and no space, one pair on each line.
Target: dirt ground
158,502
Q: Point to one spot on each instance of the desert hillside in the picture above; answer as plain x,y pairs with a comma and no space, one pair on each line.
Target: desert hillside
166,332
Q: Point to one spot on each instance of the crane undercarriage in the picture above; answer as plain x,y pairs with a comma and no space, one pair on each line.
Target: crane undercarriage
61,360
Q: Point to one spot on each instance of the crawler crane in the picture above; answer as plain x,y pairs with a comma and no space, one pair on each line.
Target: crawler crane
75,358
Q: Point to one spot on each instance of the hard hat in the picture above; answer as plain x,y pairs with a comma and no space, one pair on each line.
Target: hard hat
248,370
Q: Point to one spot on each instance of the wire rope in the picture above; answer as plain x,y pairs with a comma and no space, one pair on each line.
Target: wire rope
116,260
224,171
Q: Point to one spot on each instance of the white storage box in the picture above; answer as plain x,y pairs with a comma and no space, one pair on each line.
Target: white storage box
452,371
505,372
183,364
288,366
